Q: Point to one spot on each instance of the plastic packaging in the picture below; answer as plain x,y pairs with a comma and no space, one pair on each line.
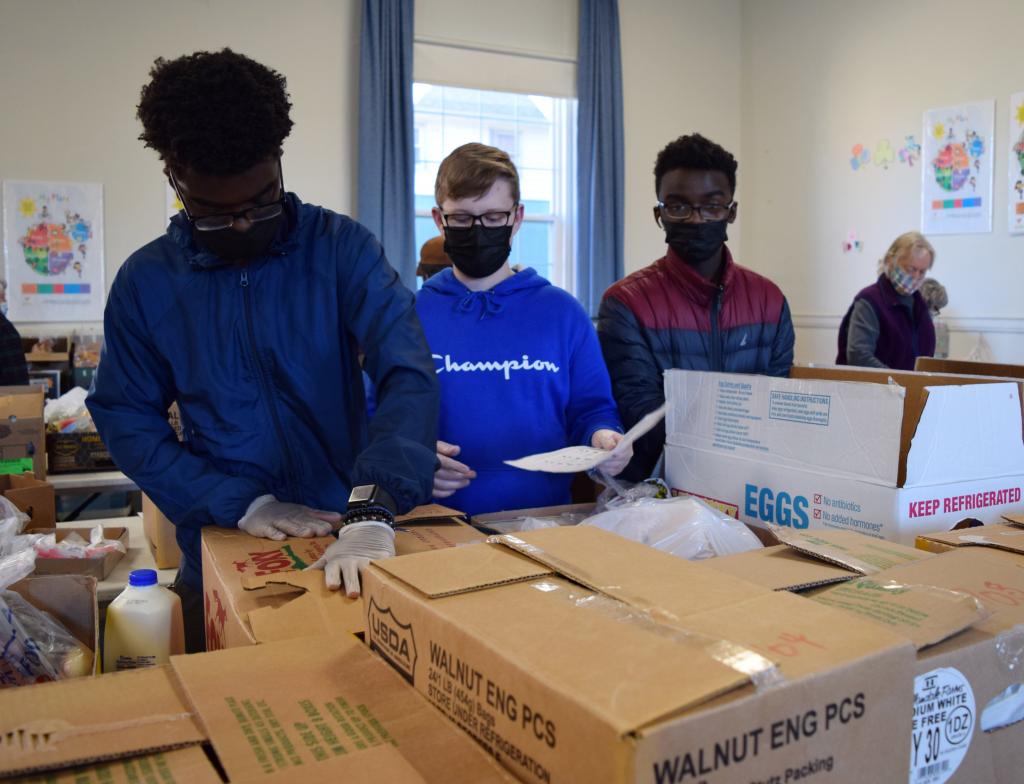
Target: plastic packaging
685,527
34,647
68,414
74,546
144,625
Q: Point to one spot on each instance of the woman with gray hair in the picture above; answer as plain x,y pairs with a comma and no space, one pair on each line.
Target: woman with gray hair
889,324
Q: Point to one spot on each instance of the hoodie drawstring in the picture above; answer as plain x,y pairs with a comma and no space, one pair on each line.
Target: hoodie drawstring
490,305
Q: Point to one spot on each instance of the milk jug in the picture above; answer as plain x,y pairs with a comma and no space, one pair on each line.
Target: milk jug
144,626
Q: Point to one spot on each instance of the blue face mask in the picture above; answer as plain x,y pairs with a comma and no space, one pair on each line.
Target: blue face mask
3,308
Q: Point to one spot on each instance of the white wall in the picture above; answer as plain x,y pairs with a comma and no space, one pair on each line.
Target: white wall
71,71
822,75
786,85
681,72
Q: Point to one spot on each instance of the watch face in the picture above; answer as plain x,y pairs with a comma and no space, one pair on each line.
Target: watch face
362,494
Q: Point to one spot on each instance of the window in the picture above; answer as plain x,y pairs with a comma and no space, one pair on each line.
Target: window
538,132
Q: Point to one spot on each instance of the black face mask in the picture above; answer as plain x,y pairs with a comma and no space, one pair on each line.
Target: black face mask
695,242
478,251
231,245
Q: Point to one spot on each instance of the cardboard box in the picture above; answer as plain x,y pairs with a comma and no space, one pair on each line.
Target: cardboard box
968,699
99,567
22,433
312,710
802,560
68,452
575,655
968,368
161,535
892,460
188,765
69,599
33,497
255,589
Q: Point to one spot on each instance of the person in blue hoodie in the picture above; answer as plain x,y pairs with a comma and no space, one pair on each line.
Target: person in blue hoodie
250,312
518,359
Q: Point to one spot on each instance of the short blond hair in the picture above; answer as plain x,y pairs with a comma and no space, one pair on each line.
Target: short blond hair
907,243
470,171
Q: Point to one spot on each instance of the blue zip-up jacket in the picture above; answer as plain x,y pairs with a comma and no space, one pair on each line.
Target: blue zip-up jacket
521,372
262,360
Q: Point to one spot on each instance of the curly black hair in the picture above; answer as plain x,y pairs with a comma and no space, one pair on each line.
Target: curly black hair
694,152
219,113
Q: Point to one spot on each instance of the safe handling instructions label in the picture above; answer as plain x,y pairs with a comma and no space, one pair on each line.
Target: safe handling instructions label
944,716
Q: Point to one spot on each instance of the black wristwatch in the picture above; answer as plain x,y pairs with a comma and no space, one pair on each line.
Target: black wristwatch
370,502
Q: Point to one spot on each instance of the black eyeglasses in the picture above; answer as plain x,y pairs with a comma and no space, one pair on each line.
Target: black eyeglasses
489,220
257,214
679,211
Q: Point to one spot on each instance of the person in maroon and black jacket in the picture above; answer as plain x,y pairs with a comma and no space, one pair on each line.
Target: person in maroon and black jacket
694,308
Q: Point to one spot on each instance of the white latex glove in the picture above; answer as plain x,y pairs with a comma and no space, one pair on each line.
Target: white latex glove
357,545
452,475
269,518
609,439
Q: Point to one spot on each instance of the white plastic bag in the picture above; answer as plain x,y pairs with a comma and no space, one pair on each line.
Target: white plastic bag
685,527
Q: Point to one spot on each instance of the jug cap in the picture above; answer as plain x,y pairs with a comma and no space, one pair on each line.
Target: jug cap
142,577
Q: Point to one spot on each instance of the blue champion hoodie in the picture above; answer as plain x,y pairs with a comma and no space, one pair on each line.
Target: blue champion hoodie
521,372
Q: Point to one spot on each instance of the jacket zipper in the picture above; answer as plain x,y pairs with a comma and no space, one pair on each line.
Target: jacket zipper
264,383
716,333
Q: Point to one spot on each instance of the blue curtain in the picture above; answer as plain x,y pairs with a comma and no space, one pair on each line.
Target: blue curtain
385,196
600,154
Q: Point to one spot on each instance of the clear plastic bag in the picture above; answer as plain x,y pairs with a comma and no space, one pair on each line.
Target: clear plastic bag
685,527
519,524
34,647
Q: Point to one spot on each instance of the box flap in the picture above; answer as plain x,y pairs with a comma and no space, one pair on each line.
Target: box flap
1014,519
631,572
915,384
968,367
315,610
426,512
780,568
908,603
851,430
287,706
188,765
435,533
967,432
375,765
620,663
803,636
81,720
856,552
459,569
1003,537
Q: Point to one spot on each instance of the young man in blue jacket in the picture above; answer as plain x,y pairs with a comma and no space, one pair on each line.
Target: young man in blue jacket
518,359
250,312
695,308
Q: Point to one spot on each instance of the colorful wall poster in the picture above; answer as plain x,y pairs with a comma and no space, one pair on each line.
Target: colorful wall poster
53,250
1016,156
956,169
